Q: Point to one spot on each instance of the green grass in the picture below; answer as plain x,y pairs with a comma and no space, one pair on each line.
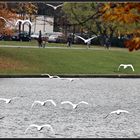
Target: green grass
35,44
19,43
66,61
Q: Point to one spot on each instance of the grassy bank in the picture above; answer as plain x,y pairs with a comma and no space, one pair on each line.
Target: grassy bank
19,43
66,61
34,43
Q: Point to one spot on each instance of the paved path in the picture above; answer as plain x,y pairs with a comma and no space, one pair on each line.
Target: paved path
57,47
45,47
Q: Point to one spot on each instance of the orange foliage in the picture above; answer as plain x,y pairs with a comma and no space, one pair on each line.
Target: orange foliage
8,16
28,8
126,13
121,12
104,7
7,31
134,42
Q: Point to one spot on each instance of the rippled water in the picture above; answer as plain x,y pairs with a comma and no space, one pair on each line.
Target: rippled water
87,121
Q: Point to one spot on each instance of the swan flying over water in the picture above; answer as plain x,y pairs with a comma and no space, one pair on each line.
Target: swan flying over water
50,76
118,112
39,127
74,105
43,102
8,100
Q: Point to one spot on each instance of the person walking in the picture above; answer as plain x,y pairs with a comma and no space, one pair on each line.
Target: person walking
88,44
69,41
107,42
40,39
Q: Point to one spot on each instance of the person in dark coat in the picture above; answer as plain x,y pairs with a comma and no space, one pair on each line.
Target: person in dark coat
107,42
40,39
69,41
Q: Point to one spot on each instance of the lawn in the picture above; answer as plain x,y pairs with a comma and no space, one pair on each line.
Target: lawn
19,43
34,43
66,61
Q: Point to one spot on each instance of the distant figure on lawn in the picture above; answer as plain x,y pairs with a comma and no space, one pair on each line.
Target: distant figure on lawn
107,42
44,42
69,41
40,39
88,44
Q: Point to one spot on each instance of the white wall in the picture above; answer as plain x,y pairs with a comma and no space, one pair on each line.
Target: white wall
41,25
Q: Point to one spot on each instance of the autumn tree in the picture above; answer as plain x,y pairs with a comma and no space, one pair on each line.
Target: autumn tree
128,15
88,17
26,10
7,17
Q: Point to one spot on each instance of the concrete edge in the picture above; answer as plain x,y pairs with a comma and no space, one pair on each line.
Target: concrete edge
75,76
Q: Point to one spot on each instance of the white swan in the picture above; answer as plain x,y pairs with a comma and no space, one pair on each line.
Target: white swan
50,76
43,102
125,66
70,79
55,76
8,100
4,19
23,22
118,112
54,7
39,127
86,40
74,105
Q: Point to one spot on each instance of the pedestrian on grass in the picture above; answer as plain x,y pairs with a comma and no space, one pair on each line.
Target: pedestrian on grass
40,39
88,44
107,43
69,41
